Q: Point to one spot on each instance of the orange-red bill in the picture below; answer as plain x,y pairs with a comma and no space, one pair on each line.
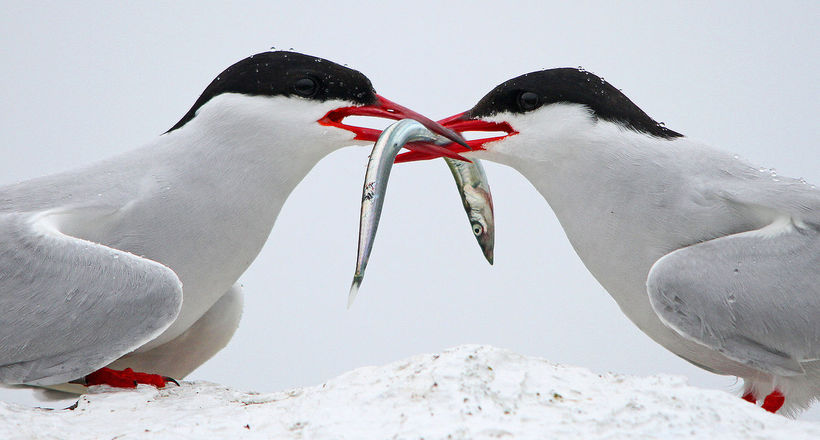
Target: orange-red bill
384,108
459,123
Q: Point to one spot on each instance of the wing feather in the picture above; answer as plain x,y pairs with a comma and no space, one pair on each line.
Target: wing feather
753,296
69,306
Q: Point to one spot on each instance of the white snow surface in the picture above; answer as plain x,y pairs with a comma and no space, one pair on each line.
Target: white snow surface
468,392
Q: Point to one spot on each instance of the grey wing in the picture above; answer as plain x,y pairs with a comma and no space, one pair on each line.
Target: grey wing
70,306
753,296
784,195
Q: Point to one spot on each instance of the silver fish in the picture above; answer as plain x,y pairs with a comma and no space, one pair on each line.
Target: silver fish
474,190
470,179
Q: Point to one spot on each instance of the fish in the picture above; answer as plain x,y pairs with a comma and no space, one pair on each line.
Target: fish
470,178
474,189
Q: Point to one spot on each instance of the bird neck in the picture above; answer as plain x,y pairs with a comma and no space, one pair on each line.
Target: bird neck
593,175
573,155
261,144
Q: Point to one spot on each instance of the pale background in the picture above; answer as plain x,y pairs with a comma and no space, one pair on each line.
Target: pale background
84,80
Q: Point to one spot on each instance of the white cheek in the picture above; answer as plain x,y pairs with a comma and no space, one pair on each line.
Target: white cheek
543,135
290,119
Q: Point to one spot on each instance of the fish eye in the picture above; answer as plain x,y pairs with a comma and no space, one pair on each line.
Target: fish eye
477,229
306,87
528,101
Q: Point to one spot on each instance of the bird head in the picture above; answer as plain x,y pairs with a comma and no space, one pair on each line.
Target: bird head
300,99
542,111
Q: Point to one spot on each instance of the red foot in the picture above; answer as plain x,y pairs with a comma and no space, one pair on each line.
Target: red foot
127,378
774,401
749,397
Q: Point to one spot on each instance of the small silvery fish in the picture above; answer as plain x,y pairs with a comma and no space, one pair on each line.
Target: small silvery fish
474,189
470,179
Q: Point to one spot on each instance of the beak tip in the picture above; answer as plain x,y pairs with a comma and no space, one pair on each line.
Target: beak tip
463,142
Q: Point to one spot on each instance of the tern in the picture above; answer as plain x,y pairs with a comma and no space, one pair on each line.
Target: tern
132,263
713,258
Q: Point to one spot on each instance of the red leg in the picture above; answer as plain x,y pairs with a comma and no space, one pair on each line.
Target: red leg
127,378
749,397
774,401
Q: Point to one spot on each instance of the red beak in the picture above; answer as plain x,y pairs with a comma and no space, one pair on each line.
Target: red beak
384,108
459,123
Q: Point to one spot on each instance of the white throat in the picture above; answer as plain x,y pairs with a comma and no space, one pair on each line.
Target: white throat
273,139
588,170
214,186
625,199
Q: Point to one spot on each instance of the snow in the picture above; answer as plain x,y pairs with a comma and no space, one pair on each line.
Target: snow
468,392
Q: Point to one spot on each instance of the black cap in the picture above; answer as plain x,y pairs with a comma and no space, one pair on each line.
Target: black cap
288,74
536,89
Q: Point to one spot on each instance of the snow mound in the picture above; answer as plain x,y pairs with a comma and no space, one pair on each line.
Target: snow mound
468,392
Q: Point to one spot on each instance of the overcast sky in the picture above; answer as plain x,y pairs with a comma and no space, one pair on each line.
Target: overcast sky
85,80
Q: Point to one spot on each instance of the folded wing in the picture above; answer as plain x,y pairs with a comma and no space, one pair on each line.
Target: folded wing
69,306
753,296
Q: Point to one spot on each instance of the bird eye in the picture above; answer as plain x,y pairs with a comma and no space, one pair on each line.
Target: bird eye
306,87
528,101
477,229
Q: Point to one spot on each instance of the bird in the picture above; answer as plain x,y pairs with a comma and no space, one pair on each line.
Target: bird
713,258
125,271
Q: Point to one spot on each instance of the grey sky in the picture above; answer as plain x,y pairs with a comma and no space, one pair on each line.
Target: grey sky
85,80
